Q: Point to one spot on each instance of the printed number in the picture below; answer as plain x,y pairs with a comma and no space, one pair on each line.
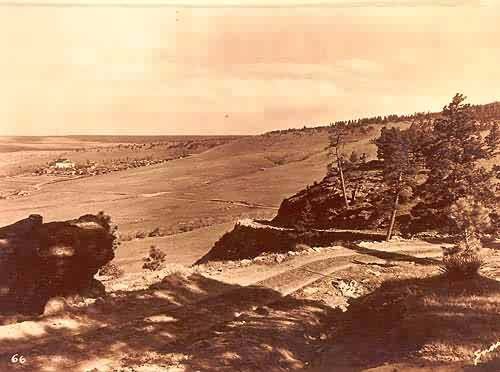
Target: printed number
16,358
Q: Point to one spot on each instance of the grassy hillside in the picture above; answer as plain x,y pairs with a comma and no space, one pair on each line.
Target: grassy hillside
248,177
198,196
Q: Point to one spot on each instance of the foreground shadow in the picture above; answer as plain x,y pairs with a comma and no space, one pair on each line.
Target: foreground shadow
492,244
201,323
194,323
418,319
391,256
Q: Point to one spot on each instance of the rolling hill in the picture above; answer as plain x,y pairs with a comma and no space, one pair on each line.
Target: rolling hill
200,195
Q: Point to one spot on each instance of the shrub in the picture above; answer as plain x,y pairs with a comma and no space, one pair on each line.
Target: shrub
154,233
471,222
126,237
140,235
470,216
155,260
111,270
462,260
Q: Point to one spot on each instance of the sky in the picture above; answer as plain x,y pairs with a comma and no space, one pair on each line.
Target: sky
233,67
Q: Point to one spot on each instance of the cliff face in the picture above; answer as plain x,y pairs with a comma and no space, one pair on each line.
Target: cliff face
42,260
250,239
322,205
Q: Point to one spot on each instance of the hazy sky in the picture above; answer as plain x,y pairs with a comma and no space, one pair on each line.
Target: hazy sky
205,70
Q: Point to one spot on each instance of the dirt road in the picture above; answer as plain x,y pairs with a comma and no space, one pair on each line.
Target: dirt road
176,314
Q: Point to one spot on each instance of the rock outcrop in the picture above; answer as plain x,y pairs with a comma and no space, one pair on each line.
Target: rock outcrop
39,260
250,239
322,205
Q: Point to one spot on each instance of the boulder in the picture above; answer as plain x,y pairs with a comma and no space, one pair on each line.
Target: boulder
39,260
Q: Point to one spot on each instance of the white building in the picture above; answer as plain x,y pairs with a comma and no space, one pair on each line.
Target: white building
64,164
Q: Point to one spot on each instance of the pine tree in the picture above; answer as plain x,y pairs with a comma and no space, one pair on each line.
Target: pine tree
493,140
453,151
399,166
354,158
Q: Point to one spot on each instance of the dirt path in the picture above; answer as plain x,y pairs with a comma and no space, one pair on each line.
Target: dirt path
262,274
170,316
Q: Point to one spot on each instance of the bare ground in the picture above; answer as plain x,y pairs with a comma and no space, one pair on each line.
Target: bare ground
263,315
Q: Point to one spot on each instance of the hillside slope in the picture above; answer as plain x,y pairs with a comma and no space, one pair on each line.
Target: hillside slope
248,177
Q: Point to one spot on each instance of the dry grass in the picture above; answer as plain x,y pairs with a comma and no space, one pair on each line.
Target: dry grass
462,265
428,319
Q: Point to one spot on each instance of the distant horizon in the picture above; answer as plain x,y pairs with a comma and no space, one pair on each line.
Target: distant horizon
312,125
129,135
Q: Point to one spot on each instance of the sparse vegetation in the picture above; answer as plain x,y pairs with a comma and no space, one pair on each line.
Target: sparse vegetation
156,259
140,235
462,260
111,270
155,233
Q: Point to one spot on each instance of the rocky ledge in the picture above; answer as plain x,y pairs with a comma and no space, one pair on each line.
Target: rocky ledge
39,260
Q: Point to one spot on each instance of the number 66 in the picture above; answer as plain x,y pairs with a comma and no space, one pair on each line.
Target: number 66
16,358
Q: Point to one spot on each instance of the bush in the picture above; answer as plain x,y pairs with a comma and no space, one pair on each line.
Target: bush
155,260
470,216
154,233
111,270
463,260
140,235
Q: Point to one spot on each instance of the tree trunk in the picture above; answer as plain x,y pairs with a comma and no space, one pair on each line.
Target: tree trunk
394,207
354,192
341,171
393,217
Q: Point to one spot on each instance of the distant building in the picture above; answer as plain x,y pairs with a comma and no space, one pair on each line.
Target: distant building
64,164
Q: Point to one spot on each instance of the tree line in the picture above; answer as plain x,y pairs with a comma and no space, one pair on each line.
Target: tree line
485,116
445,165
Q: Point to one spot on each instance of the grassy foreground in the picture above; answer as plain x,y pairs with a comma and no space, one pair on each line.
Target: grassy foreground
420,320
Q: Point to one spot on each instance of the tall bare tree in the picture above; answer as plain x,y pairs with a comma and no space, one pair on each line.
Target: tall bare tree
337,135
394,147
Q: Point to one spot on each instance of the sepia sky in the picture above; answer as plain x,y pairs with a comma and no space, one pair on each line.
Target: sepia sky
238,69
